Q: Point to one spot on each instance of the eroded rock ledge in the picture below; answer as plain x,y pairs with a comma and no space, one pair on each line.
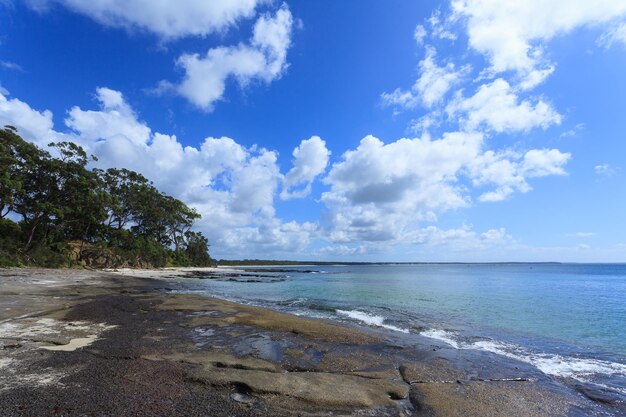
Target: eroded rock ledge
148,353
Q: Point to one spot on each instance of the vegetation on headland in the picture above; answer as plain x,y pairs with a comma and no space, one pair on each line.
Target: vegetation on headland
55,211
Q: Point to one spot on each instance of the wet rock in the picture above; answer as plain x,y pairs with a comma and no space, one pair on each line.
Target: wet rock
437,370
601,395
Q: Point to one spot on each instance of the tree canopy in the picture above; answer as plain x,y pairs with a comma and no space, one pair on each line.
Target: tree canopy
49,202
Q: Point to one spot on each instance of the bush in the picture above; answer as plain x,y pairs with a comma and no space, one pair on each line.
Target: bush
10,238
44,256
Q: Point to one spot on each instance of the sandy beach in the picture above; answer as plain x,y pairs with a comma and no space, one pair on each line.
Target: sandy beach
88,343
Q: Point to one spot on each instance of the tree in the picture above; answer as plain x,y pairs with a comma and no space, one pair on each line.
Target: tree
123,188
17,160
179,221
197,249
80,203
60,200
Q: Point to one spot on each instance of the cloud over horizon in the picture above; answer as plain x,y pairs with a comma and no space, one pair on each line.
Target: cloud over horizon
481,124
377,192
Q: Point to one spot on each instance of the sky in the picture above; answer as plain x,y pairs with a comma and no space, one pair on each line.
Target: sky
354,130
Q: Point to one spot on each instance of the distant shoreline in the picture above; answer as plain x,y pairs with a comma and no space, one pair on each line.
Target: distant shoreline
267,262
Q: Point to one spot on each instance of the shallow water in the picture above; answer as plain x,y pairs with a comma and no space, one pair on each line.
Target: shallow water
568,320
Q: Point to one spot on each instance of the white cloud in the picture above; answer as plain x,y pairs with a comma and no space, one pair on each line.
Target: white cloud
513,34
115,118
573,132
431,86
399,98
377,193
435,81
165,18
378,190
509,171
617,34
497,107
264,59
310,160
233,187
424,123
33,125
605,170
463,238
419,34
383,192
440,28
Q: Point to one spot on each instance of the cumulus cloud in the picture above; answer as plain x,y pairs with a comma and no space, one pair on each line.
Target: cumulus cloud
383,192
35,126
167,19
513,35
377,193
431,86
114,119
232,186
514,38
264,58
310,160
509,171
379,190
497,107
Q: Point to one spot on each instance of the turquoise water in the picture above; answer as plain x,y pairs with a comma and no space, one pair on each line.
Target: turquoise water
569,320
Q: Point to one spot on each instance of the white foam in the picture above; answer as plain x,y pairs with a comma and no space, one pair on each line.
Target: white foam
441,335
370,319
550,364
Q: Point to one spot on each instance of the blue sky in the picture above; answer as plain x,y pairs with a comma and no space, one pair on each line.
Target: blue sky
470,130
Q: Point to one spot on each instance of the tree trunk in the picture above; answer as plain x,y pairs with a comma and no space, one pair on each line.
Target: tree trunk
32,233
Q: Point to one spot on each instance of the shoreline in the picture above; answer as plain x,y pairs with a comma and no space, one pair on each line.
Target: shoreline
249,360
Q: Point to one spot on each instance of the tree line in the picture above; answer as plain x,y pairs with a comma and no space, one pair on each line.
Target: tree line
48,203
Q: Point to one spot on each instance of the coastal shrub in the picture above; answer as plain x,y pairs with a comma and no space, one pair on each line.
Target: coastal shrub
10,238
45,256
117,211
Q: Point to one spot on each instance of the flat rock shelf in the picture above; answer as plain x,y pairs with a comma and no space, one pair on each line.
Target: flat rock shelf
76,342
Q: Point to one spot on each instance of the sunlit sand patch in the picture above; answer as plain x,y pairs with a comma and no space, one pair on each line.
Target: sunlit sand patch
53,335
47,334
74,344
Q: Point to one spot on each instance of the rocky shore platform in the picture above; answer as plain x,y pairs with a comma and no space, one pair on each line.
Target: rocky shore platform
89,343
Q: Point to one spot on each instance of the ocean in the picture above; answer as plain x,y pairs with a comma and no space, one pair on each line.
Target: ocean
567,320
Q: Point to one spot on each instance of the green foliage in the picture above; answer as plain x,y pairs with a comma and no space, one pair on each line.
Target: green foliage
45,256
197,249
61,200
10,238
